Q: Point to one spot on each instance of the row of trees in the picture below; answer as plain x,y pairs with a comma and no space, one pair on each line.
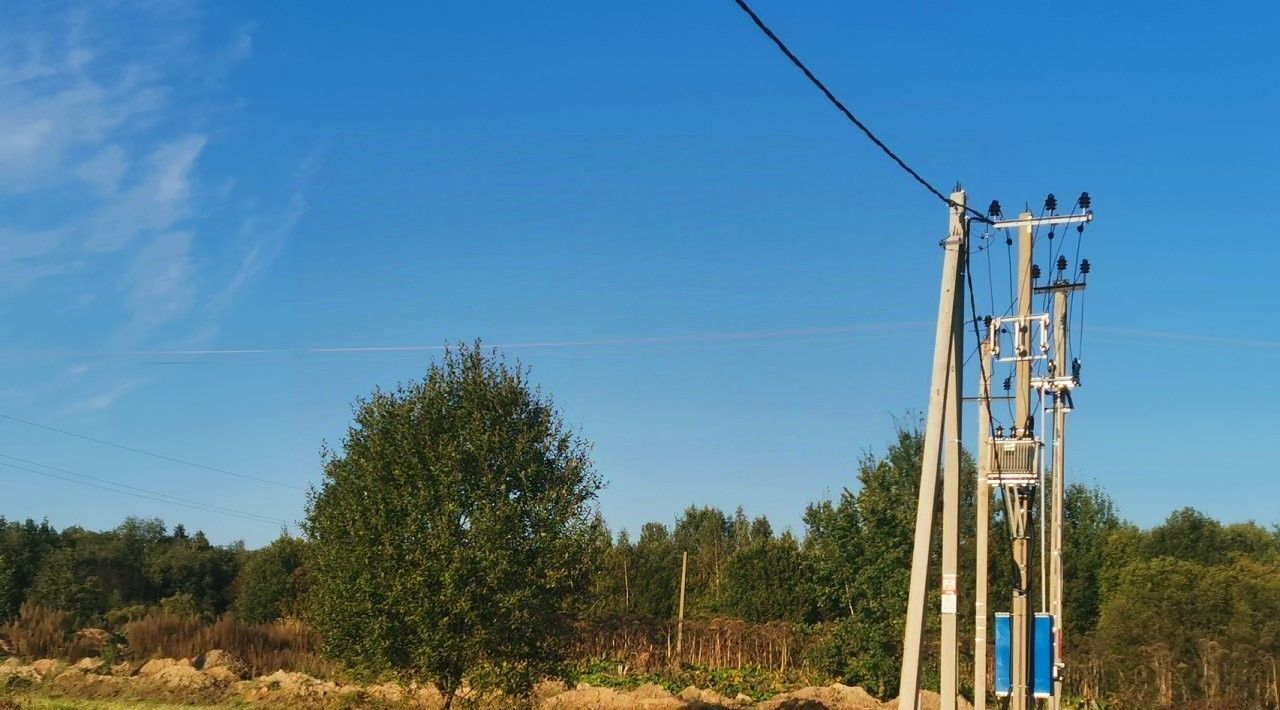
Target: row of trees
454,536
109,578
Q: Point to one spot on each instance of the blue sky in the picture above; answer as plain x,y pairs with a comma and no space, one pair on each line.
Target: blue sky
724,286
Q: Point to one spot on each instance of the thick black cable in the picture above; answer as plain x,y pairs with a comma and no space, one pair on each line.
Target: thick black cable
152,454
849,114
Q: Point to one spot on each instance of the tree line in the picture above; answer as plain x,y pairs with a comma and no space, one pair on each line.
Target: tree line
455,537
1186,611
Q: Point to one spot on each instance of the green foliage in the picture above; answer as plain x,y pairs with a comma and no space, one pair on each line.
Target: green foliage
765,578
756,683
656,565
453,532
1090,520
272,581
861,556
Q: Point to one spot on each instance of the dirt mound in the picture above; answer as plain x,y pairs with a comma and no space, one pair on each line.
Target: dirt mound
286,687
47,667
13,669
223,666
89,665
177,680
96,639
587,697
705,698
832,697
930,700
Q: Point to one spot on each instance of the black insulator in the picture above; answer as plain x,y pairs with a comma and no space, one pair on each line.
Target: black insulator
1079,229
1084,266
999,431
1062,263
1051,235
1008,384
1008,241
986,321
1051,203
994,209
1085,201
1035,271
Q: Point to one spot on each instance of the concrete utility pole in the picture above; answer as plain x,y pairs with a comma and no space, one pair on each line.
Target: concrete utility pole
944,401
1014,462
1060,399
1019,496
1061,379
981,530
1011,461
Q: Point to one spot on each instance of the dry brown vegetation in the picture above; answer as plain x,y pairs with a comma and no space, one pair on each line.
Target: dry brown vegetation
263,648
647,645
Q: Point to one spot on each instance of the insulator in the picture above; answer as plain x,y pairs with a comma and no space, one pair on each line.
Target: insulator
986,322
1051,235
1079,229
994,209
999,431
1008,384
1008,241
1084,266
1050,203
1035,271
1085,201
1062,263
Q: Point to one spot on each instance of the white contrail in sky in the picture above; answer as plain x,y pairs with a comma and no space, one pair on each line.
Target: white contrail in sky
1186,337
712,337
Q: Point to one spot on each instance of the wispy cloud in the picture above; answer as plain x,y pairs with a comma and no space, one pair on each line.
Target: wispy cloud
106,117
103,400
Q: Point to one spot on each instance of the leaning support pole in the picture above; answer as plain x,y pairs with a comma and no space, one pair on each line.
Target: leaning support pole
951,481
946,340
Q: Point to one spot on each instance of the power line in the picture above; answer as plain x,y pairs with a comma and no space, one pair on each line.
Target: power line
152,454
134,491
849,114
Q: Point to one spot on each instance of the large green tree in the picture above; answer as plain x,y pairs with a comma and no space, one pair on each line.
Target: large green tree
272,581
452,535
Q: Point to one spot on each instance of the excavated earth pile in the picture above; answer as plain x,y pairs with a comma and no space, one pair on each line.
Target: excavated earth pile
219,677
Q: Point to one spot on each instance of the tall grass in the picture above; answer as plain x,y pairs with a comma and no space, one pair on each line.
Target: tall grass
264,648
39,632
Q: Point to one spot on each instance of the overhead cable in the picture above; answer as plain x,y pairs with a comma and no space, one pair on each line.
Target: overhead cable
852,118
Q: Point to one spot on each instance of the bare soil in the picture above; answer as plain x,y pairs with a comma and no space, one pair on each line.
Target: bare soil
217,677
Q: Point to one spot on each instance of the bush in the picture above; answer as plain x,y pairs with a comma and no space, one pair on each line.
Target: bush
271,582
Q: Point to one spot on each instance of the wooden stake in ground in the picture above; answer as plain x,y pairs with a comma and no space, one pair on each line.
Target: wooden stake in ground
684,566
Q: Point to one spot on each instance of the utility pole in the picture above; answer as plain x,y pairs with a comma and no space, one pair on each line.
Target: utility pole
1010,461
1060,399
1019,496
1014,462
981,530
1061,379
943,405
684,566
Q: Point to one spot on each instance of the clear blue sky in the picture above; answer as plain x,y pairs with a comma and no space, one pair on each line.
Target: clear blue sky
753,280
